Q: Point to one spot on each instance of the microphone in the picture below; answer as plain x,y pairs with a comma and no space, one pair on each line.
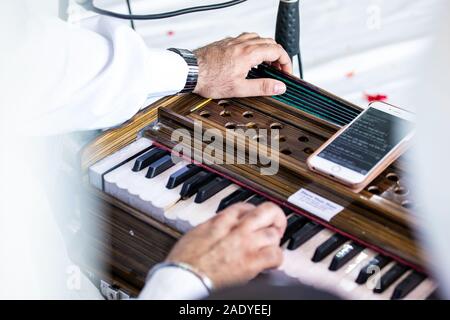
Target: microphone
287,32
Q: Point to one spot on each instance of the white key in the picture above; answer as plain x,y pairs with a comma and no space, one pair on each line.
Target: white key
298,264
156,194
147,195
97,170
365,291
191,214
387,294
346,276
423,290
351,290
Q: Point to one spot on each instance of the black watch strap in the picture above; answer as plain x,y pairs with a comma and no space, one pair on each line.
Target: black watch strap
191,60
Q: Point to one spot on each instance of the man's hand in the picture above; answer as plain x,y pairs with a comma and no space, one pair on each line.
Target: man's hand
236,245
224,65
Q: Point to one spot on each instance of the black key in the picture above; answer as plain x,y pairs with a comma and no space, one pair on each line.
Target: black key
294,223
305,233
328,247
286,211
239,195
347,253
194,183
390,277
182,175
407,285
257,200
159,166
148,158
374,265
212,188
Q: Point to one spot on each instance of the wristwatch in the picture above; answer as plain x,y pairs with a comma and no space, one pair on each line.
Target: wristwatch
191,60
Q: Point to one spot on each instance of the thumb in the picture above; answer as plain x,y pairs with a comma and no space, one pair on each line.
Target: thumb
260,87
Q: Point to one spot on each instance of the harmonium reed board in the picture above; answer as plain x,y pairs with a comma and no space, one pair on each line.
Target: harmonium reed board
136,234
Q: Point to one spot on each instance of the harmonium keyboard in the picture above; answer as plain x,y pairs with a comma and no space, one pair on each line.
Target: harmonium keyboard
140,199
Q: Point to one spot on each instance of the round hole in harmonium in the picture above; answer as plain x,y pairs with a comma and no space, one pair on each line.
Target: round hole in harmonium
401,191
205,114
308,151
225,113
276,126
303,139
247,114
392,177
223,103
374,190
230,125
407,204
281,138
251,125
286,152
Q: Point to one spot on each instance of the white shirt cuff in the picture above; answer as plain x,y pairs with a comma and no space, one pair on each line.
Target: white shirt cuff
167,72
172,283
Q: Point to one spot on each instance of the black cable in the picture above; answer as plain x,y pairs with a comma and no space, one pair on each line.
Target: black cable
89,5
131,13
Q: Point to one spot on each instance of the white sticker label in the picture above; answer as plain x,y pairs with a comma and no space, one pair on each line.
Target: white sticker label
315,204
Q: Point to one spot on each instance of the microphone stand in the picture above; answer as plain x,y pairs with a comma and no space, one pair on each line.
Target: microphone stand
287,32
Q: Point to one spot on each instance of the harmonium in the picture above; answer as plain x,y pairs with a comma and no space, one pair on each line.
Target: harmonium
171,168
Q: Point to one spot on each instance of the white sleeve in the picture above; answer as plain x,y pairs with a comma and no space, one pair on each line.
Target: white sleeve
64,78
172,283
431,152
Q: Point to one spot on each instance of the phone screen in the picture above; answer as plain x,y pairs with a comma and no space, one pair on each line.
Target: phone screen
367,140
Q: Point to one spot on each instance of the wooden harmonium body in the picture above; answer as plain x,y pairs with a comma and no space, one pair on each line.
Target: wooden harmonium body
358,245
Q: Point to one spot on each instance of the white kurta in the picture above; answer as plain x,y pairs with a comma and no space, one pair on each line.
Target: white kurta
66,78
58,78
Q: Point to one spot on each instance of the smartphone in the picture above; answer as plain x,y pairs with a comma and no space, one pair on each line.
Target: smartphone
360,151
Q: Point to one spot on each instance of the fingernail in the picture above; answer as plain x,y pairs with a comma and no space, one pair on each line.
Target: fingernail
280,88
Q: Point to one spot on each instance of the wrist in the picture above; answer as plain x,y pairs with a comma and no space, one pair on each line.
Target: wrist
199,53
174,283
205,280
